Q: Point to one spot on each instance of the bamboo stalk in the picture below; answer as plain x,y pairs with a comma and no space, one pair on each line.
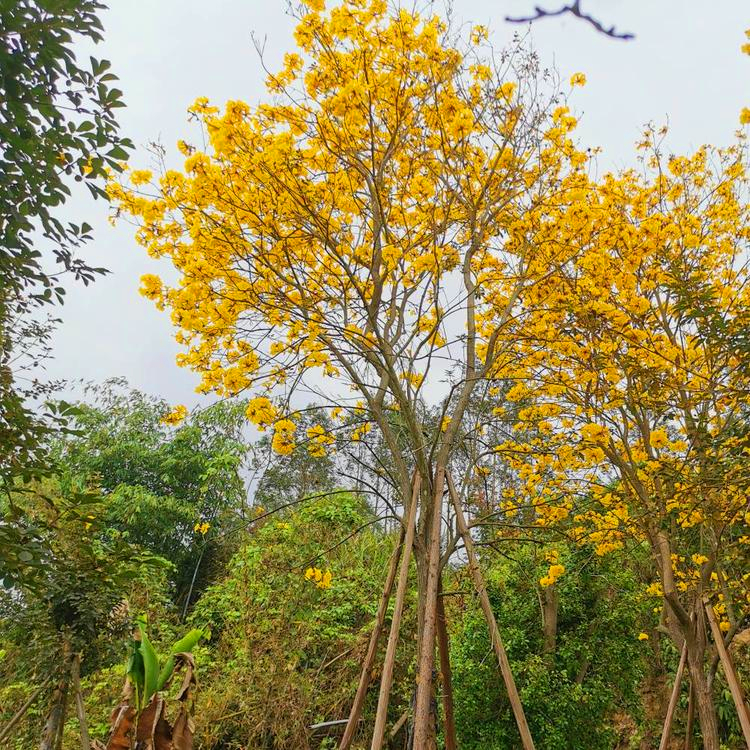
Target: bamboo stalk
423,706
365,676
497,642
730,673
445,671
390,653
669,718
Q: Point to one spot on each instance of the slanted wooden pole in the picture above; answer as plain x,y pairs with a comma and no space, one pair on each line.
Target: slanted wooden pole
364,678
449,723
497,642
666,731
386,678
730,672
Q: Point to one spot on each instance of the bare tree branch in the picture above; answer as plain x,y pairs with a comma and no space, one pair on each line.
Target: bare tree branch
573,9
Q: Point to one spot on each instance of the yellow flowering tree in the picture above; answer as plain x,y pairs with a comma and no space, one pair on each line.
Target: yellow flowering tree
361,229
633,374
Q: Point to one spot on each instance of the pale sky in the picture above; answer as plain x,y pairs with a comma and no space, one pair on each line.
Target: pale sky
684,67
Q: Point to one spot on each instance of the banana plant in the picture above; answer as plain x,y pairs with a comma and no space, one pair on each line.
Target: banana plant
142,712
147,673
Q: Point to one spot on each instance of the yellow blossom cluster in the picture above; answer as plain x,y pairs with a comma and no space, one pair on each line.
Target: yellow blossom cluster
175,416
554,572
321,579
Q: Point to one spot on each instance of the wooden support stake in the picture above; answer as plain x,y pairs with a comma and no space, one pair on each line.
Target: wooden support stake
445,671
669,718
386,678
497,643
730,673
364,678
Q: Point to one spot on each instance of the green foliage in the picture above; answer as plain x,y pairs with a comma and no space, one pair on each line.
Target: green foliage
287,653
570,696
57,125
285,479
159,481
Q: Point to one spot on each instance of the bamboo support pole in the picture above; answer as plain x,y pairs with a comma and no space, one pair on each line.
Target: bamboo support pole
666,731
364,678
730,672
386,678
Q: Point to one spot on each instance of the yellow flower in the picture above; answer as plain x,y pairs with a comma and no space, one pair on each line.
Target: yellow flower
319,578
578,79
283,437
151,286
642,636
594,433
176,416
659,438
202,527
140,176
261,412
745,116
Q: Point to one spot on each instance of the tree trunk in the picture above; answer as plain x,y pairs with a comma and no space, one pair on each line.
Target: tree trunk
424,714
550,605
80,707
704,702
689,720
53,727
449,724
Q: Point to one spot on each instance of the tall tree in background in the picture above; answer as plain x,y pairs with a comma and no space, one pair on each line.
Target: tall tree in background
170,489
309,470
57,127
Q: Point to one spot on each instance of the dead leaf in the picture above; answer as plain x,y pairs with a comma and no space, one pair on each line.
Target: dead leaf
120,735
184,727
153,731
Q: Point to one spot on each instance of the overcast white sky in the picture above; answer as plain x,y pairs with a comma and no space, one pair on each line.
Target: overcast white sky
684,66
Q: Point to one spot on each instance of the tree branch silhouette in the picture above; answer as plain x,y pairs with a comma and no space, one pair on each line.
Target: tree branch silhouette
573,9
